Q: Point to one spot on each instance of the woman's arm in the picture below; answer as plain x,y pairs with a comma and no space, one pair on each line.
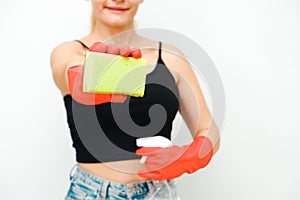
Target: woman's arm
171,162
193,107
63,56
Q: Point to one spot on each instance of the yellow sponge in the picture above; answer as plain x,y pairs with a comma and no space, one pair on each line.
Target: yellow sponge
114,74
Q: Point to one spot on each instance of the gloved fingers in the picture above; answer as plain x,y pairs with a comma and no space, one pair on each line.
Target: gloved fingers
98,47
155,175
158,162
154,164
105,48
123,50
112,49
164,173
160,175
136,53
147,151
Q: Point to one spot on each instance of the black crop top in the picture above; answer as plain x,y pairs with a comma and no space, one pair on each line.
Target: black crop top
108,131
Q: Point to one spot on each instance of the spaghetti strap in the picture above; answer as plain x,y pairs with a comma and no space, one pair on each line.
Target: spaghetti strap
159,60
82,44
159,49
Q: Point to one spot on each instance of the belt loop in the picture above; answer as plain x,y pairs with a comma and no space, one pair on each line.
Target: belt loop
72,171
103,189
150,187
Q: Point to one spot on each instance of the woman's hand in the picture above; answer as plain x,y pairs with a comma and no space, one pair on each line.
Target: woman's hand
171,162
75,76
122,50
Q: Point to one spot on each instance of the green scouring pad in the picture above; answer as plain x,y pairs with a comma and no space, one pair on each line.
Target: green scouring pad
114,74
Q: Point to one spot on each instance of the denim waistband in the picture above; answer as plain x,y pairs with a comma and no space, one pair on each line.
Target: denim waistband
101,184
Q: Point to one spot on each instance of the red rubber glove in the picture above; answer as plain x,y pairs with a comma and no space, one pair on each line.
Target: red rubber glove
75,76
122,50
171,162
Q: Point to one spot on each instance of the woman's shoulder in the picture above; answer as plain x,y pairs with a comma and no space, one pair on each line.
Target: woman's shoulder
172,56
62,57
175,60
65,54
66,49
171,53
64,46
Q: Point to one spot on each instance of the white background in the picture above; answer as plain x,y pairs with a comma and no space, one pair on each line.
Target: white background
255,46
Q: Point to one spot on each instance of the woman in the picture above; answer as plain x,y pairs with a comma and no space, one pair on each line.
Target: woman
116,177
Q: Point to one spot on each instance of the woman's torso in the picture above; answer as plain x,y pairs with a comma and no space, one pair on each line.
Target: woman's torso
118,171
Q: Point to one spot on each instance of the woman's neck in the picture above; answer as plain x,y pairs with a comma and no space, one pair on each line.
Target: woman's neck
118,35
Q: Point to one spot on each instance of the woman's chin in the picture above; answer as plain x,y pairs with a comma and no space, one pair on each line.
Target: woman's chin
118,23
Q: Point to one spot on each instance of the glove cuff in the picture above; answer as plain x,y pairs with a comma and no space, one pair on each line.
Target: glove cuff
202,150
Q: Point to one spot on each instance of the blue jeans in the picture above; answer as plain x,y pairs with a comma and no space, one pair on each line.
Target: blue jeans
86,186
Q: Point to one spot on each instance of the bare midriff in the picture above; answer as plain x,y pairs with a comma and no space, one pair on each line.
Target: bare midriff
117,171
